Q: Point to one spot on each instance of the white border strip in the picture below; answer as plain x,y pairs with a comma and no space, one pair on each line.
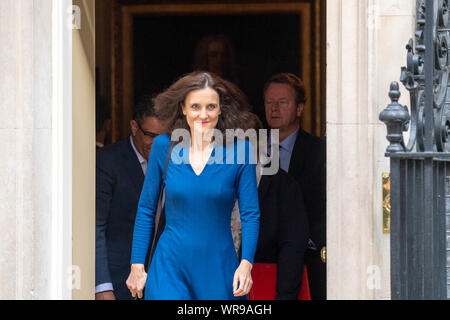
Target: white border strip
61,246
19,154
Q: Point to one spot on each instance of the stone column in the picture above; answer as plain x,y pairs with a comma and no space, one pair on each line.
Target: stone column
365,49
33,242
17,123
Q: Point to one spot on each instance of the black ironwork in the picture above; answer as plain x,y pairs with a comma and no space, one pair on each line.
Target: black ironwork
420,168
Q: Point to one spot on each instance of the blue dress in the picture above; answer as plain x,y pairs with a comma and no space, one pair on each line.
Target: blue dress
195,256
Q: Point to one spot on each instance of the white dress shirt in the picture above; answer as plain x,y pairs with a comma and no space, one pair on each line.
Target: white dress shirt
141,159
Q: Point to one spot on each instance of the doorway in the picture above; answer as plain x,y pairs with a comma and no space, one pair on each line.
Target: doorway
144,46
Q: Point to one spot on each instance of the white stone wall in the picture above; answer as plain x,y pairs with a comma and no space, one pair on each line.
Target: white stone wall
18,134
365,49
31,263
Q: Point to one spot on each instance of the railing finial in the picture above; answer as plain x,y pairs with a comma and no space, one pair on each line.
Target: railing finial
395,116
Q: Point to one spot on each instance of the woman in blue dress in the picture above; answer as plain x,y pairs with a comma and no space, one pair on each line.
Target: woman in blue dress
195,256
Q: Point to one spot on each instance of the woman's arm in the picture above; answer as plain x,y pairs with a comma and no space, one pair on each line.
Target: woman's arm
148,201
145,215
247,192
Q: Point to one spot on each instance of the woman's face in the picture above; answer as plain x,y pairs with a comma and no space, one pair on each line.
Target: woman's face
202,110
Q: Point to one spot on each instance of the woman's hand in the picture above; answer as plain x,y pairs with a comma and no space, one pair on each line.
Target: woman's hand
136,280
243,278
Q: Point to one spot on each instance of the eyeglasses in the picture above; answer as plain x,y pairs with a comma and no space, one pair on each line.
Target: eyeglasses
148,134
281,103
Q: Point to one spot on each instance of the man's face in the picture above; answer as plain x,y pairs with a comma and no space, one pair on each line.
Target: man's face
282,112
144,133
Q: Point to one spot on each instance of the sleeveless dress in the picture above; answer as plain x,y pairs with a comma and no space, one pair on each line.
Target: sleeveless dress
195,256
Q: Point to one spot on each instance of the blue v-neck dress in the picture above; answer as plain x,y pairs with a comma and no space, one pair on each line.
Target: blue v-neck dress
195,256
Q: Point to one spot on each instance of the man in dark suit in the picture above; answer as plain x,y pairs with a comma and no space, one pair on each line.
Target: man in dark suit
303,156
283,231
120,171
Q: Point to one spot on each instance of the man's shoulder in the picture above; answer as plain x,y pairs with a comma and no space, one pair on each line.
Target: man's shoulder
310,139
308,142
308,155
114,148
116,155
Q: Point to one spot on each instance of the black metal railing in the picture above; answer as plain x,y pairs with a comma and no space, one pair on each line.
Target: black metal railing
447,218
420,168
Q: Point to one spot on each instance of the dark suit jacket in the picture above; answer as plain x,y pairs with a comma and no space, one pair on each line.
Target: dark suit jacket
283,231
308,167
119,180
